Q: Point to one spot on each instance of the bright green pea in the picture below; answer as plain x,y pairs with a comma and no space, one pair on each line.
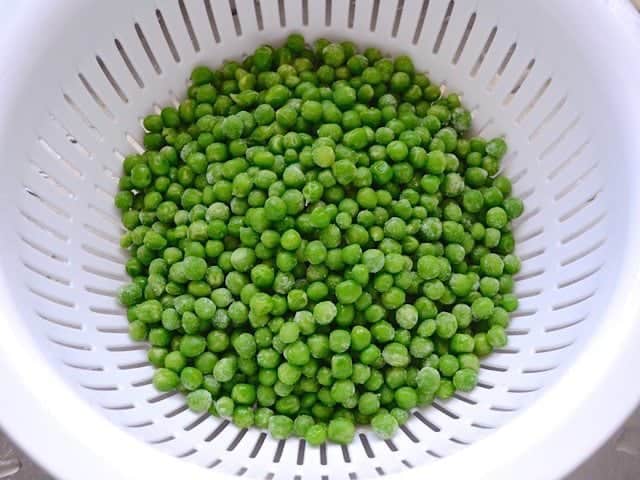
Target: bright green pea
341,431
384,425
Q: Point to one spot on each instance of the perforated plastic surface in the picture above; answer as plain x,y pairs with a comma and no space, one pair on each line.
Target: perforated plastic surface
68,143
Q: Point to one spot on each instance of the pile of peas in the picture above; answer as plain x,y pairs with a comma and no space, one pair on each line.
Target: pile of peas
315,243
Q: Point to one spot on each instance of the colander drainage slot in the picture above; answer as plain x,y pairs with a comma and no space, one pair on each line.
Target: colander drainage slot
443,27
100,388
234,15
116,312
109,217
146,423
345,453
258,445
488,386
103,292
463,40
499,408
583,253
579,278
278,453
518,331
398,17
581,231
465,399
535,253
446,411
51,298
129,406
529,275
301,450
46,202
563,134
127,348
505,350
101,273
483,53
147,49
217,431
101,254
161,397
282,13
57,321
577,209
44,250
258,9
53,181
569,160
134,366
493,368
539,369
518,85
167,36
103,235
127,61
142,383
482,426
532,103
186,454
427,422
374,15
49,276
212,21
352,13
176,411
323,454
458,441
391,445
524,313
409,434
95,96
525,237
74,106
327,12
569,324
545,121
112,81
89,368
523,389
134,143
553,348
366,446
503,66
189,26
572,302
234,443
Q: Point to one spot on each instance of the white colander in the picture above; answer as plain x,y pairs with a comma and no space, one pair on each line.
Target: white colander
560,79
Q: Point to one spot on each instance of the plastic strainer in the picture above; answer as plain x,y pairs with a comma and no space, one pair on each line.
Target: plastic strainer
559,79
